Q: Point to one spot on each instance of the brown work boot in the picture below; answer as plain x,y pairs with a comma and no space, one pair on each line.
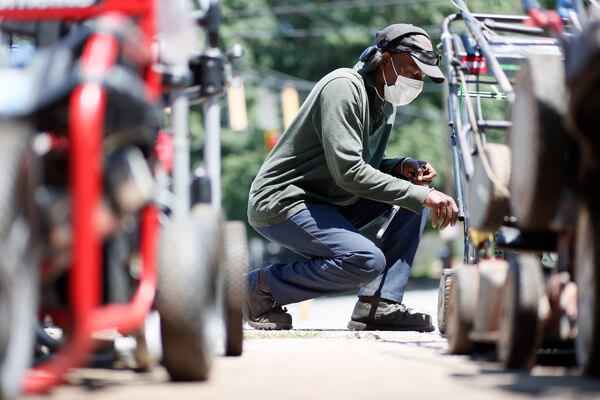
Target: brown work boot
262,312
374,314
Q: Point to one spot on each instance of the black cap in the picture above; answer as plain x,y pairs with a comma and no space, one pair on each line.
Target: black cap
402,35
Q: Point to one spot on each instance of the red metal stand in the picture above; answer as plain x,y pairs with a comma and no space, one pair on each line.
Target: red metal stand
86,125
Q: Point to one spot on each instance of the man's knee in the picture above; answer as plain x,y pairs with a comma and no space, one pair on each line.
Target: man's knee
365,263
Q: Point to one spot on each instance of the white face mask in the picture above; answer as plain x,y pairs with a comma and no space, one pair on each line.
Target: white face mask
403,91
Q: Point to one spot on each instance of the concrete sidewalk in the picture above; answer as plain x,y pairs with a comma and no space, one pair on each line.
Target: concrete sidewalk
322,360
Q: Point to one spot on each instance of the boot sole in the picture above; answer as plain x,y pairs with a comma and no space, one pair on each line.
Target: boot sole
361,326
265,326
270,326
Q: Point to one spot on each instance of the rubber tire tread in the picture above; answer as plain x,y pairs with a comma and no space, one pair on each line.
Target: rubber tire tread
236,261
587,346
189,251
583,80
18,353
461,309
520,330
488,205
539,141
443,299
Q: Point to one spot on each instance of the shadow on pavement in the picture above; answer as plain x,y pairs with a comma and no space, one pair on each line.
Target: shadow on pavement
545,385
555,376
540,383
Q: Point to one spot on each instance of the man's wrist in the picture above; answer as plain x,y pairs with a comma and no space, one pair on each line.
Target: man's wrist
429,190
402,162
396,171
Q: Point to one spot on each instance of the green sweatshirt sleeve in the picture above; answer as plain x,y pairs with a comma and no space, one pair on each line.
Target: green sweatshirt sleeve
341,136
387,164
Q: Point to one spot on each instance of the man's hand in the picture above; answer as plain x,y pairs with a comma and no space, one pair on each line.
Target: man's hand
443,208
417,171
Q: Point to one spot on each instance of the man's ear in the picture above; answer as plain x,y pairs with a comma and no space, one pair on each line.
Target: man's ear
385,58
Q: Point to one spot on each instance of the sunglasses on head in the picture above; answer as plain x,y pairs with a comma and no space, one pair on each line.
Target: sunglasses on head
426,56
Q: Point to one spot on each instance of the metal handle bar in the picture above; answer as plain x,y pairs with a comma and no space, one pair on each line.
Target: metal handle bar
473,26
481,81
454,122
500,17
504,27
490,124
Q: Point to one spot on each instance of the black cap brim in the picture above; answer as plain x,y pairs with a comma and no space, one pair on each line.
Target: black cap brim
433,72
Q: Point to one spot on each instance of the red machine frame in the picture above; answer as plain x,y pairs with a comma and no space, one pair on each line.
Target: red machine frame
86,130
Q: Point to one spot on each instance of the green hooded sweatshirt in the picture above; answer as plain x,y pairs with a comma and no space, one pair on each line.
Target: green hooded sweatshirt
332,153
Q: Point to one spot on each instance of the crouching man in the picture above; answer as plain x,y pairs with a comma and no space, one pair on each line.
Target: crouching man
328,176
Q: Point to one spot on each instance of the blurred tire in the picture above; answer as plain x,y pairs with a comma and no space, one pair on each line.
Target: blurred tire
492,276
461,309
538,141
19,274
488,204
583,80
235,267
520,328
189,253
587,277
443,299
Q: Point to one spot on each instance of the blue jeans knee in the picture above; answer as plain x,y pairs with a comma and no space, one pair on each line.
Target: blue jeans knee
364,264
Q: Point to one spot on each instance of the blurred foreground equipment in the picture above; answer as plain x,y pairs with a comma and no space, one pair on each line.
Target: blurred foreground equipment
96,206
530,274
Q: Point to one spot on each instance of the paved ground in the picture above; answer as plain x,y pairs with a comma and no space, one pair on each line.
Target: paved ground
321,360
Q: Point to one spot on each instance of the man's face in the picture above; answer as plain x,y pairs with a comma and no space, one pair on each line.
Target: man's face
404,65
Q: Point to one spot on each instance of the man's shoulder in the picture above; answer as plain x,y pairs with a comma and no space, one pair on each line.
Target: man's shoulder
346,74
342,81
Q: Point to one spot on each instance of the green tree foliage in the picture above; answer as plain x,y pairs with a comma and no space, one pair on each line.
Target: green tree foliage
306,40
